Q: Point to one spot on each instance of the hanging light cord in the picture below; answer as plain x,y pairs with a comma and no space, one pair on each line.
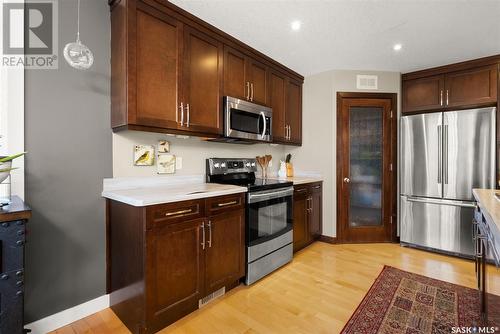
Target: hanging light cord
78,24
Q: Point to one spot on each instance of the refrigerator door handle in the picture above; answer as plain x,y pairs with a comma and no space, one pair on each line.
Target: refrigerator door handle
445,154
441,202
440,161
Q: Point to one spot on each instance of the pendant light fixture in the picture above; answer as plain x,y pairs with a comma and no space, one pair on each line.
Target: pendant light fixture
77,54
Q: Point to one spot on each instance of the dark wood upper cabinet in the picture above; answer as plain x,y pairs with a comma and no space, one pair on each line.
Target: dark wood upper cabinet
170,71
294,112
470,84
423,94
472,87
157,71
257,77
277,97
174,275
201,82
244,77
235,77
225,255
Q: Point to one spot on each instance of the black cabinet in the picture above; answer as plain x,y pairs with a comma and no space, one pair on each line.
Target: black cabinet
12,239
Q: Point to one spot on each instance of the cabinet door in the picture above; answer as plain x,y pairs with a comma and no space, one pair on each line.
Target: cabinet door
294,111
174,270
316,213
277,97
201,82
472,87
157,68
300,218
423,94
235,78
225,252
258,81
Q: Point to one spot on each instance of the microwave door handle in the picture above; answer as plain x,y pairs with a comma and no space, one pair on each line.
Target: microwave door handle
265,125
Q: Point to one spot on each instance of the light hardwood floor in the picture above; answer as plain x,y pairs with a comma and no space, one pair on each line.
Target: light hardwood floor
316,293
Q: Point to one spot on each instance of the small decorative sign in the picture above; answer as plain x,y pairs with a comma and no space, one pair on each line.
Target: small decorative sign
144,155
163,146
166,164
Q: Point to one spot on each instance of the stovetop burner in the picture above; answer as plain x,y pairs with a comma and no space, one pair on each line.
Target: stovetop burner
240,172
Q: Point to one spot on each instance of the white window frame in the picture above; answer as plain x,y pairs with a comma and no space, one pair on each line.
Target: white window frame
12,117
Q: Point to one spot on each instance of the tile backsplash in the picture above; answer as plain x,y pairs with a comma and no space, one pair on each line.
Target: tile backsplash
193,152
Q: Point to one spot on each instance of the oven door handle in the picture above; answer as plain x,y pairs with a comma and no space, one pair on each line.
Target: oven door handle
259,197
265,125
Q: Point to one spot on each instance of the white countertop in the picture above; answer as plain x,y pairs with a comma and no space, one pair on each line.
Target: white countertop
160,190
489,204
302,178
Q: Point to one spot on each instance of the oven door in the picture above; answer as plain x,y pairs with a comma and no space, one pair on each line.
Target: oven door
269,215
247,120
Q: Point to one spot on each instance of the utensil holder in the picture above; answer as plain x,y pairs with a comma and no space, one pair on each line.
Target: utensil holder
289,169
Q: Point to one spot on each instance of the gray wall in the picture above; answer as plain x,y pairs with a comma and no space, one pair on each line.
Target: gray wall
68,140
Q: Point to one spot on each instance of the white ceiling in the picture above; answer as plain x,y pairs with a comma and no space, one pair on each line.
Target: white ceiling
359,34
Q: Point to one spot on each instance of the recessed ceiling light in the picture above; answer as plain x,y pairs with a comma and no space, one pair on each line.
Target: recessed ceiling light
296,25
397,47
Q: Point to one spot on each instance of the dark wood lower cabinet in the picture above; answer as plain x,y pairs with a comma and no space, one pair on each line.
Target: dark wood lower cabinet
174,272
225,255
163,259
307,214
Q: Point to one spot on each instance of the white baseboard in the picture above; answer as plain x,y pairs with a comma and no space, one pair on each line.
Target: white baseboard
68,316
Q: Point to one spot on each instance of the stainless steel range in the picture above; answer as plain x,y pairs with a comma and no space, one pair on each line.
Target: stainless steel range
269,215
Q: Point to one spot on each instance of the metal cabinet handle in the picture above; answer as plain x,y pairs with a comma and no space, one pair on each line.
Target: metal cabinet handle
209,234
289,132
203,235
188,111
180,212
251,87
441,98
226,204
182,113
447,97
248,90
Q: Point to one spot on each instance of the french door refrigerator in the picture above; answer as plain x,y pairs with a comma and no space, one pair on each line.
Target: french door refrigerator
443,157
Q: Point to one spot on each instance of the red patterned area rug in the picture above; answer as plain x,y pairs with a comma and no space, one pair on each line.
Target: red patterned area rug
400,302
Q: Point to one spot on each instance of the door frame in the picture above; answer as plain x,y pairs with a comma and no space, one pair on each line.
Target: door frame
393,157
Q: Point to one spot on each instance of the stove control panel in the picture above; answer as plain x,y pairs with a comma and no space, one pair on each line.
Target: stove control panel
217,166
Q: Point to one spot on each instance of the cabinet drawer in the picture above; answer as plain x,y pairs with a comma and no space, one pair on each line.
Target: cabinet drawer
300,189
12,239
216,205
175,212
316,187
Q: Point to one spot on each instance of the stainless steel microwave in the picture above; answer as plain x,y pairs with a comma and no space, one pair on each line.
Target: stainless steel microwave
247,120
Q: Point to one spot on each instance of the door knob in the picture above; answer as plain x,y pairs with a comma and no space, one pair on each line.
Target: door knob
347,180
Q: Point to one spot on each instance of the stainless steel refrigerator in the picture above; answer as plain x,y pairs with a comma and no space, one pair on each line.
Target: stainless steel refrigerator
443,157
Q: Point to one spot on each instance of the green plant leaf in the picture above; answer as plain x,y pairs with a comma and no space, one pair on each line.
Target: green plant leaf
12,157
3,170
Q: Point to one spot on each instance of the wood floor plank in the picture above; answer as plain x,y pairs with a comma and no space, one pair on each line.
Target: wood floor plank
317,292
